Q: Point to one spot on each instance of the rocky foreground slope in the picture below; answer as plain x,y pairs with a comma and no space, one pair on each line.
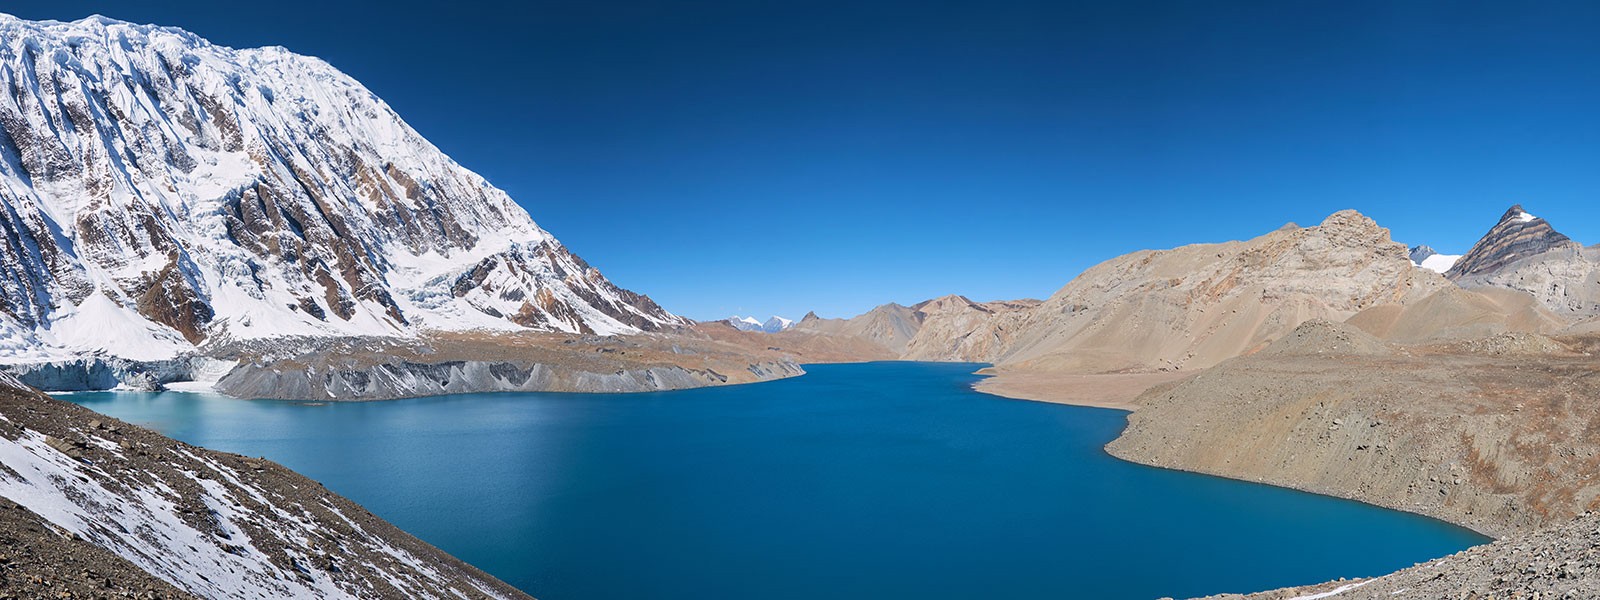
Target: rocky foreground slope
1558,562
99,507
1496,433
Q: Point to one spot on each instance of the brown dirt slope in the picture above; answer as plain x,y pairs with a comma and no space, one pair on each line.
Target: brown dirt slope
1455,313
1501,441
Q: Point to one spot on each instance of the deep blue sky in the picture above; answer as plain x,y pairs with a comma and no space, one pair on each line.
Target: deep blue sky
760,157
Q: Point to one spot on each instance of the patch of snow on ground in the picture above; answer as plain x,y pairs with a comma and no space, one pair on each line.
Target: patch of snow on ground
1335,591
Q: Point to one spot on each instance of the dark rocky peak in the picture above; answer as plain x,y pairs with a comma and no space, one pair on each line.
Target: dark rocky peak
1516,236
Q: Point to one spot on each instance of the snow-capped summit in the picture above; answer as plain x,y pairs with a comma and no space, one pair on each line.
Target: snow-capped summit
175,192
744,323
776,324
771,325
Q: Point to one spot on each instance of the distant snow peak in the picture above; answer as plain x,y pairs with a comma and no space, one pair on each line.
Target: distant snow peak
1426,257
771,325
1524,217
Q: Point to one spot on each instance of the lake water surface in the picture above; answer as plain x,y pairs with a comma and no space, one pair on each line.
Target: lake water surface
882,480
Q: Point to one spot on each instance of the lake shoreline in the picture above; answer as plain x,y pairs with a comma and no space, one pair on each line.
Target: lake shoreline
1202,426
914,421
1116,391
1109,390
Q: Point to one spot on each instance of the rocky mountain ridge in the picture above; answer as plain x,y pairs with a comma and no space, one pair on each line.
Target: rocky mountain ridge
1180,309
1192,307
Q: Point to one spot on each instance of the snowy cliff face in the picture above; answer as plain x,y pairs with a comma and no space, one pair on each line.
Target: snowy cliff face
158,191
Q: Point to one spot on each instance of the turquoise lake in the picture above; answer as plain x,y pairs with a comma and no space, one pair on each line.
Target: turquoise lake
880,480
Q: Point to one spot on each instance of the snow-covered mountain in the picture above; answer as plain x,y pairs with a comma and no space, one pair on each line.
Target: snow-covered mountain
773,324
159,192
1430,259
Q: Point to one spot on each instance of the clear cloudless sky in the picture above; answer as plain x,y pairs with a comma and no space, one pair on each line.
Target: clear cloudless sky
778,157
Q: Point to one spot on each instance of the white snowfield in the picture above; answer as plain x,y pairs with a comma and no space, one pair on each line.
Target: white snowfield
1439,263
257,193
